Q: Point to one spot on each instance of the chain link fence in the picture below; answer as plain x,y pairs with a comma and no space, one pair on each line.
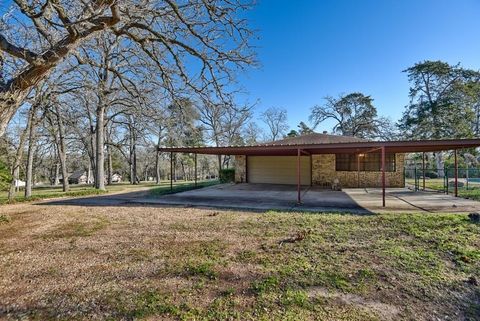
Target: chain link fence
444,180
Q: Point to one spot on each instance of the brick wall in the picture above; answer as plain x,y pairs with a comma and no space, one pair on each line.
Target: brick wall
240,169
323,173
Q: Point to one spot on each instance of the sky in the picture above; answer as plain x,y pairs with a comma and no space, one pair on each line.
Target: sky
309,49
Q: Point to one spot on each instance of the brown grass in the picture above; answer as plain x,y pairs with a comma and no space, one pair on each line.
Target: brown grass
177,263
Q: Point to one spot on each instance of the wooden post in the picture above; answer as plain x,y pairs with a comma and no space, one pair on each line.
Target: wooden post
195,169
171,171
383,176
456,174
299,200
423,169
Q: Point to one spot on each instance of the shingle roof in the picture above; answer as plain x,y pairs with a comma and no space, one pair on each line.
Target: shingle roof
77,174
316,138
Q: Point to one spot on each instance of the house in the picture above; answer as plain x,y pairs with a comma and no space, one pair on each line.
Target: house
19,183
80,177
116,178
362,169
326,160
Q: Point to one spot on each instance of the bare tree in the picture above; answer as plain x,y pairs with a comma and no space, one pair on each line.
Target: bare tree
276,121
38,35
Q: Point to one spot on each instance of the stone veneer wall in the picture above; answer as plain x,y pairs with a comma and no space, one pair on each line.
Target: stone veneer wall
323,173
240,169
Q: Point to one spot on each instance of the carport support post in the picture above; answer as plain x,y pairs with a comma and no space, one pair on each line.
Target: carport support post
383,176
195,169
299,200
423,169
456,174
171,171
358,170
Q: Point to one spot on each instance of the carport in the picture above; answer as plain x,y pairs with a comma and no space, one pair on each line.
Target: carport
355,148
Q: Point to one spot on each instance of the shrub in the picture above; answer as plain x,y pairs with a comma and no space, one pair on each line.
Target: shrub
431,174
227,175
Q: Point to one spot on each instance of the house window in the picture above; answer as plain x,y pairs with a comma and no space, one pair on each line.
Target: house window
371,162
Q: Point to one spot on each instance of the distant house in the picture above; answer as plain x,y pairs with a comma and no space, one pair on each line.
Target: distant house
19,183
79,177
116,178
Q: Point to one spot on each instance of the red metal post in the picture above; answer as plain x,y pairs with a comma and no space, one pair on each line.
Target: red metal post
311,171
358,170
383,176
171,171
456,174
423,169
195,169
299,200
246,169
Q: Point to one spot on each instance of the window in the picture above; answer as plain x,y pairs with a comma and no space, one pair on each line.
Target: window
371,162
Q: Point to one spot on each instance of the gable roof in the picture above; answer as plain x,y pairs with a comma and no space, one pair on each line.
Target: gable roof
77,174
315,139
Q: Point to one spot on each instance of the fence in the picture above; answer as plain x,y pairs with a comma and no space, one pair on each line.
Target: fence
442,180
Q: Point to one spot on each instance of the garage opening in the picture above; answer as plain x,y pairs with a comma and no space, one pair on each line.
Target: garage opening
278,170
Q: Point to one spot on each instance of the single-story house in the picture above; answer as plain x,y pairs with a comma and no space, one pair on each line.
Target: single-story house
79,177
325,160
348,170
116,178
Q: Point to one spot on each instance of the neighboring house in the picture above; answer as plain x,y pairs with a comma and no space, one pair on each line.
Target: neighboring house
349,170
19,183
79,177
116,178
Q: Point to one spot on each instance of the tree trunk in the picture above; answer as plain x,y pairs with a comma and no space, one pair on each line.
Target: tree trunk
15,170
89,173
93,153
157,167
9,103
32,140
56,179
157,157
440,164
109,161
61,149
133,156
100,142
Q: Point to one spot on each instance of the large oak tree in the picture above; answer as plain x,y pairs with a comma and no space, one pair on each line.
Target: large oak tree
195,45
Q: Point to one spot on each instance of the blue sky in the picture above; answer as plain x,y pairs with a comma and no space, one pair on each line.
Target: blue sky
309,49
312,48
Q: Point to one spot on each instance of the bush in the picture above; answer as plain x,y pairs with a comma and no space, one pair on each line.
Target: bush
227,175
5,177
431,174
452,184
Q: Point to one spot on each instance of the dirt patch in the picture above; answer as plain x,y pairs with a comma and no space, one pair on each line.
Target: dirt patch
384,311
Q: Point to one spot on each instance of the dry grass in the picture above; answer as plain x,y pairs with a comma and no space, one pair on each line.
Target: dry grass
176,263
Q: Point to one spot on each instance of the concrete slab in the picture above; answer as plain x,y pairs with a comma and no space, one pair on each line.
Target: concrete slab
283,197
261,197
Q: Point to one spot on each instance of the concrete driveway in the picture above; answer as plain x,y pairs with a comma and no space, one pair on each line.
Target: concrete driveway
283,197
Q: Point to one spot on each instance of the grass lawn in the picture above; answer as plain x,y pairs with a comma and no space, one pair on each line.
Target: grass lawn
39,193
195,264
473,191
